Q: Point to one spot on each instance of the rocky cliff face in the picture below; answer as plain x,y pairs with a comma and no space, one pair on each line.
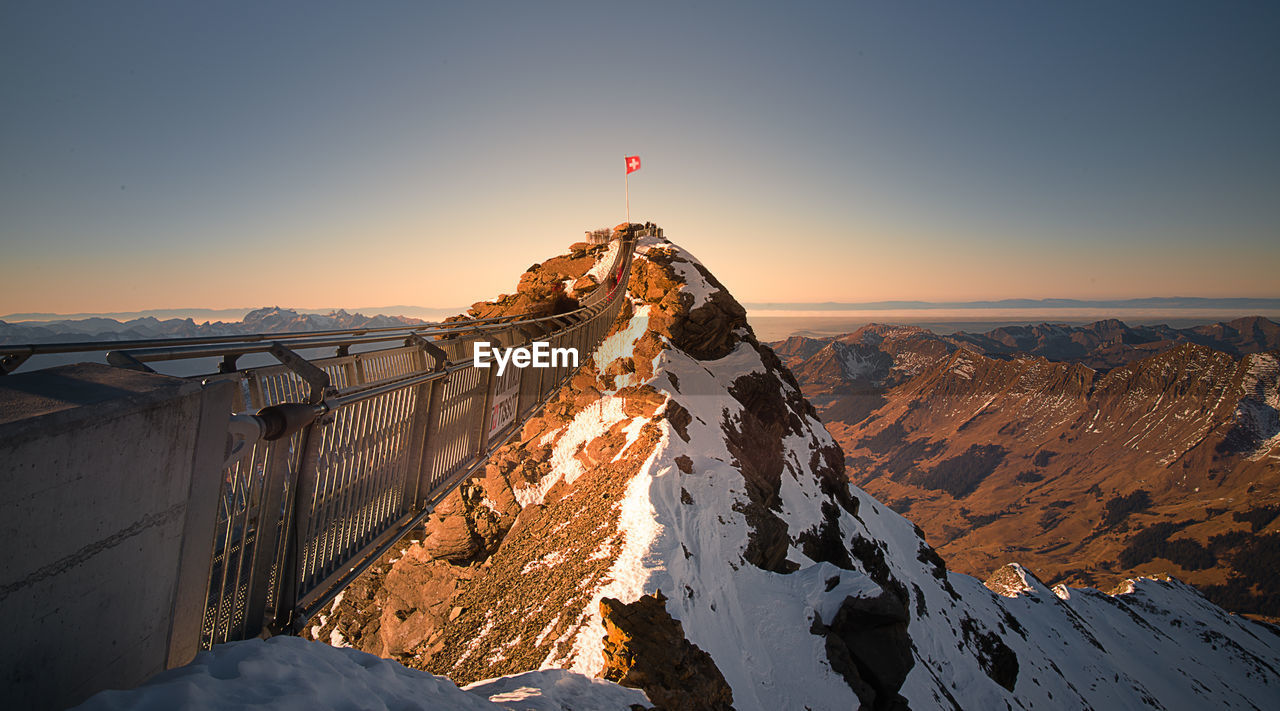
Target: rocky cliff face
678,519
1167,464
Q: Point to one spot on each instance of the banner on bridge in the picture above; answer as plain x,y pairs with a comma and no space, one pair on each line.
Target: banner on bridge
506,400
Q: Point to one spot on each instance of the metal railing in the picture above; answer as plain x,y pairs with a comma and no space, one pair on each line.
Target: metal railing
336,458
397,429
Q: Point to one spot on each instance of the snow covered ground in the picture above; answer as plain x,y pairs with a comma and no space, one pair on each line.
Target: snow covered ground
288,673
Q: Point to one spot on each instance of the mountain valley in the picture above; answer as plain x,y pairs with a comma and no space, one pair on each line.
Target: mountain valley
1089,454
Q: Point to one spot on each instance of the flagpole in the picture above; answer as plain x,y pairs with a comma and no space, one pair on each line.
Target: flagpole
627,179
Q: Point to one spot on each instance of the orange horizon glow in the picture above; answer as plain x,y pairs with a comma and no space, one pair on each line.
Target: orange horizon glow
196,158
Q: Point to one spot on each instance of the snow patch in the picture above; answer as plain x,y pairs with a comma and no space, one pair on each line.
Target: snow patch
633,567
962,367
556,690
695,283
549,560
590,423
622,344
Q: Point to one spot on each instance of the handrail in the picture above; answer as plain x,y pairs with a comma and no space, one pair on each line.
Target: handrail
86,346
147,350
137,352
243,348
160,344
388,433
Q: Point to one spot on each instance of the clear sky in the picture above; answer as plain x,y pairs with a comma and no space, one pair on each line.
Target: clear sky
224,154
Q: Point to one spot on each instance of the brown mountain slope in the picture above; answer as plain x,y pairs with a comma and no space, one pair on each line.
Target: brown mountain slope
798,347
1168,464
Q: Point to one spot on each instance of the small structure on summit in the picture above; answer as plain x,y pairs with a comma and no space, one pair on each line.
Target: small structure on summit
605,235
601,236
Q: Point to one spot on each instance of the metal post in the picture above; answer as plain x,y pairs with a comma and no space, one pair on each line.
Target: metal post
306,488
357,366
430,444
491,384
417,446
266,537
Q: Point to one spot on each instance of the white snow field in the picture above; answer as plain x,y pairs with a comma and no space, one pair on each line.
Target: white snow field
292,674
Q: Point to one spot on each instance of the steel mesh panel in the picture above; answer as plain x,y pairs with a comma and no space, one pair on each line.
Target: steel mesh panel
456,438
238,512
359,464
385,365
360,470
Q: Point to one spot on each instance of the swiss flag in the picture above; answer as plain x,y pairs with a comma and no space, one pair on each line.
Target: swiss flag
633,164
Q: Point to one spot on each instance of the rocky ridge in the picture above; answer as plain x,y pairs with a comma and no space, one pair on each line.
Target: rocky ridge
678,518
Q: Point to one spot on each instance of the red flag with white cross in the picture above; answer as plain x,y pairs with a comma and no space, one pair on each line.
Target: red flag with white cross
633,164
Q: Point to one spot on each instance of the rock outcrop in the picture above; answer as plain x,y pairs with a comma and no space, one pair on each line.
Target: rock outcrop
868,644
645,648
554,286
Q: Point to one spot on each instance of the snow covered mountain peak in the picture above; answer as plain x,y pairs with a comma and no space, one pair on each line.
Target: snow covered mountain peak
678,519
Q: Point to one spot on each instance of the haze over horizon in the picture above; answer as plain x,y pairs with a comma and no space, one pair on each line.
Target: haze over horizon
159,155
1184,309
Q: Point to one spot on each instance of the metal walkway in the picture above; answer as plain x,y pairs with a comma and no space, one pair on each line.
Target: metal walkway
333,459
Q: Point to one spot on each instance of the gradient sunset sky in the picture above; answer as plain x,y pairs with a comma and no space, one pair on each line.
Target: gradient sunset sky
224,154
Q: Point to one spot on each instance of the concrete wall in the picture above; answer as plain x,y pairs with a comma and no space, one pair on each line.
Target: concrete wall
108,493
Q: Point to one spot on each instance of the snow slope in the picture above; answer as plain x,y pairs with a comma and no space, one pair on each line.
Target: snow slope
285,673
687,533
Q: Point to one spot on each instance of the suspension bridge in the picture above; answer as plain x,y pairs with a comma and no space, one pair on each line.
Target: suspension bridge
297,475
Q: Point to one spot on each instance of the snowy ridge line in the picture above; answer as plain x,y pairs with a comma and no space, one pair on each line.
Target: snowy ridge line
1074,647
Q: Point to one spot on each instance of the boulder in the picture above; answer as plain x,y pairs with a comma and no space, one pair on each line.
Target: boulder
645,648
868,644
452,539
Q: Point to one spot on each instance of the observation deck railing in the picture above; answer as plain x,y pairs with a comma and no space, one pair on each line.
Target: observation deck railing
332,460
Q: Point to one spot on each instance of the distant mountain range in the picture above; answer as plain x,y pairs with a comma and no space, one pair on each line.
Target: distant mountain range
1089,453
1157,302
237,314
265,320
1101,345
1107,344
